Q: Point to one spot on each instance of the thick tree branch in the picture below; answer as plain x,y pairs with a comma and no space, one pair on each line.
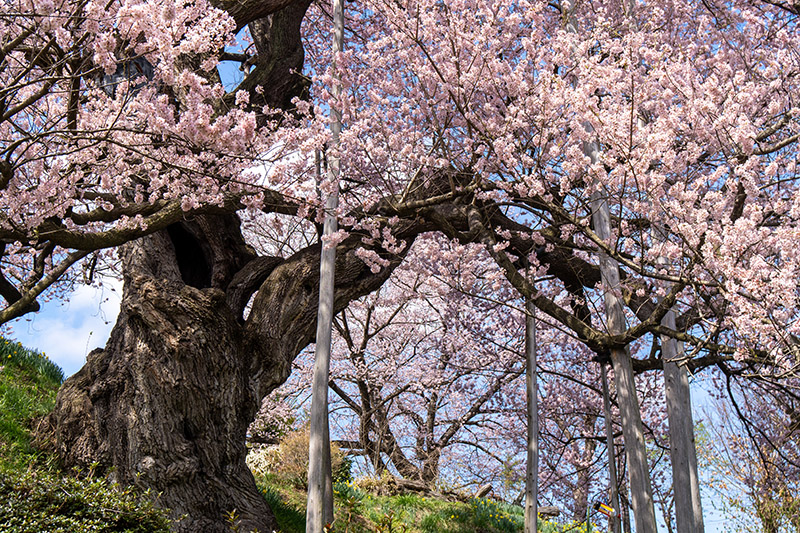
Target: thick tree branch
22,305
246,11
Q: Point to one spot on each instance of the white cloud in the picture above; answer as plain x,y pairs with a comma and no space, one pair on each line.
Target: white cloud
68,331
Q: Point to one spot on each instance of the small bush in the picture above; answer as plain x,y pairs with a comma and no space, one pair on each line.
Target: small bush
263,460
383,485
344,472
37,501
289,460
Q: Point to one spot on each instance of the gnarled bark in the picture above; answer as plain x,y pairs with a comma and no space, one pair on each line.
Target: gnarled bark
167,403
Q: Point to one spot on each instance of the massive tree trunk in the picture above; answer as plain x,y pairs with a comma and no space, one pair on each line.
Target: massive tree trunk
168,401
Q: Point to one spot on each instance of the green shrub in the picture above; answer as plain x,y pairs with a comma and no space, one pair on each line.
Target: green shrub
479,515
349,507
42,500
343,473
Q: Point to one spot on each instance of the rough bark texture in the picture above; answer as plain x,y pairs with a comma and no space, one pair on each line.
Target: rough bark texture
278,63
246,11
168,401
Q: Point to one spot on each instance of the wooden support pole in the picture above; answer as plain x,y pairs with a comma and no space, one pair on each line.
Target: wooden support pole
683,454
682,451
632,428
613,492
630,414
531,386
319,511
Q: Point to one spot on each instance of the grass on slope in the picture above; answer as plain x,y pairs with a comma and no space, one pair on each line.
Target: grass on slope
28,385
35,495
366,504
360,512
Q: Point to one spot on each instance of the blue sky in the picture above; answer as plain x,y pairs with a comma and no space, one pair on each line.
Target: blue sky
67,331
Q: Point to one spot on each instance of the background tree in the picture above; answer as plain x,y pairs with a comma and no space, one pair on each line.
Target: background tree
421,368
752,456
593,85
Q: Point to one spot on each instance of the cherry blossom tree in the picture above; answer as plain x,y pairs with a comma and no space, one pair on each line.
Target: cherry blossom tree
753,456
424,367
509,125
600,123
115,127
155,158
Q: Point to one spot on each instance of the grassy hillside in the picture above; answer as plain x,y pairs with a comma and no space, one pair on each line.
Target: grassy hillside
36,496
28,385
358,511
